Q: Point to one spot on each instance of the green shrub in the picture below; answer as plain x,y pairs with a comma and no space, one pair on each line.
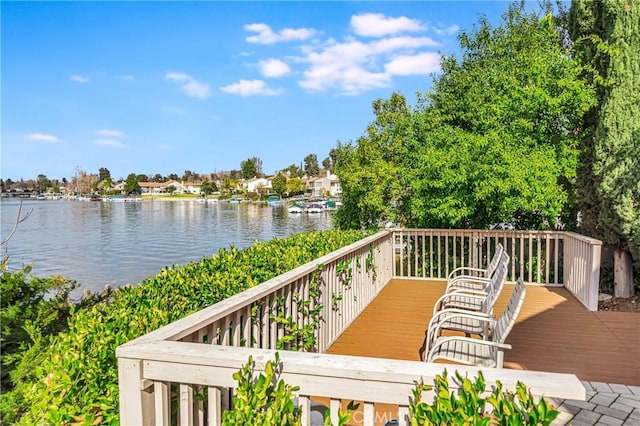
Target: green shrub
268,400
263,400
74,377
468,406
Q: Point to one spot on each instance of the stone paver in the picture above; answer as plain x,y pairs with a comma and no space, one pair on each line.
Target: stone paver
605,399
611,412
622,406
621,389
586,417
610,421
606,405
601,387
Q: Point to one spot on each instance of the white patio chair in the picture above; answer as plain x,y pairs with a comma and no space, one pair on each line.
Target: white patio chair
476,299
471,277
464,282
488,352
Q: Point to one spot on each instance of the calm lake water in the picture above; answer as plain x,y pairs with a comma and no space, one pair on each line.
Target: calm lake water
98,243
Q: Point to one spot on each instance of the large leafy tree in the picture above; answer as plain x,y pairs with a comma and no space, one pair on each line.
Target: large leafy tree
293,171
279,184
368,169
251,167
495,140
606,39
311,167
498,134
131,185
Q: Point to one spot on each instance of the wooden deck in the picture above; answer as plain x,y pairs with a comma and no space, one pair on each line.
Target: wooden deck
554,332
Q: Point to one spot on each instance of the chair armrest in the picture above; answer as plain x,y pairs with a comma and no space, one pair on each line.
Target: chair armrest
460,269
468,292
469,278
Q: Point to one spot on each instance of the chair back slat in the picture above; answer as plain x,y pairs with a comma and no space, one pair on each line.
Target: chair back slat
508,318
497,283
495,261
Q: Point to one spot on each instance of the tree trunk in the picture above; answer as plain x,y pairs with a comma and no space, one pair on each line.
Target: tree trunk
622,273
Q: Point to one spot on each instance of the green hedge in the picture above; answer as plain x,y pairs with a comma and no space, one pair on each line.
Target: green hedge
73,377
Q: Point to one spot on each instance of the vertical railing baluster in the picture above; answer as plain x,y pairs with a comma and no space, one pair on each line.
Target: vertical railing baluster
186,405
162,403
214,409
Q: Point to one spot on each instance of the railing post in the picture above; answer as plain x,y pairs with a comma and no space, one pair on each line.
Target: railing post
136,405
594,276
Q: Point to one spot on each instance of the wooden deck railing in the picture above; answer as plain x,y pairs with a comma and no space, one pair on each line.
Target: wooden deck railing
553,258
190,362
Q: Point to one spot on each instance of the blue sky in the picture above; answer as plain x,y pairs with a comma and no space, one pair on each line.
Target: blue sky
164,87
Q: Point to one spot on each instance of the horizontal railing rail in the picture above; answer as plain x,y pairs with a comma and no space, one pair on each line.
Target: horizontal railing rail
182,373
204,374
340,284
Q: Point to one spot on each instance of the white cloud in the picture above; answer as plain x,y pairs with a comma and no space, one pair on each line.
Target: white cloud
79,79
250,88
421,63
447,31
127,77
110,133
265,34
378,25
274,68
189,85
397,43
355,66
109,142
42,137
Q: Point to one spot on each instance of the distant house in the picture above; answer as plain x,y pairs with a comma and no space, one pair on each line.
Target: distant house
192,187
325,184
152,187
256,184
179,187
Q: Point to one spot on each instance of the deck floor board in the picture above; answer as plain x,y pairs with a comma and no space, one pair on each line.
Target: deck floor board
554,332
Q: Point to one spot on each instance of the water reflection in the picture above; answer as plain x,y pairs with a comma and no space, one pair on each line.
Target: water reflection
119,243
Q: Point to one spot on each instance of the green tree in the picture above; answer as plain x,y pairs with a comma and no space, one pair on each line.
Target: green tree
294,186
495,140
171,189
311,167
31,307
279,184
229,184
368,170
327,163
208,187
103,174
157,178
43,183
606,39
249,168
293,171
497,137
142,178
190,176
131,185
